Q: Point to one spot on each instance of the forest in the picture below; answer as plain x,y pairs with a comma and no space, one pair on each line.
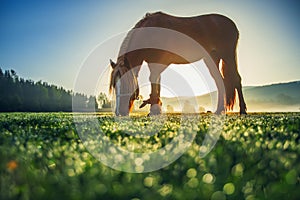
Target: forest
20,95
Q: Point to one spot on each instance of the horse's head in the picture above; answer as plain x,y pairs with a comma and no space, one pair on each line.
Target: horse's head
124,83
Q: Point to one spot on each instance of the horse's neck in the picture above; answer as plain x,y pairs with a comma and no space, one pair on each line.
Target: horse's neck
136,70
135,65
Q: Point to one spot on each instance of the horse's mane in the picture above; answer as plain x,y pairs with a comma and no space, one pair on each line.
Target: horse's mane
125,44
127,39
124,48
142,21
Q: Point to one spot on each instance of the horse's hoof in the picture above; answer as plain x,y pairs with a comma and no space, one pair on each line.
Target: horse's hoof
243,113
219,112
155,110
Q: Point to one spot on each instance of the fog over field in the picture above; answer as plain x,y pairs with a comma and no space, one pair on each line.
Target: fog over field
280,97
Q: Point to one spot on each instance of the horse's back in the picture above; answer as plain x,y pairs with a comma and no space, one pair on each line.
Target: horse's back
160,19
211,26
214,33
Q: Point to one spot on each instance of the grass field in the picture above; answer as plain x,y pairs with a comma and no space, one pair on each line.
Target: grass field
256,157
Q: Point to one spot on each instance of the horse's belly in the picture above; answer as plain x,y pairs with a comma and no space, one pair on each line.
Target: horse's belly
167,57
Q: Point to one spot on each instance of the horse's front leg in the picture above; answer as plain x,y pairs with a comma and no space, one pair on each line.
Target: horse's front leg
155,101
156,104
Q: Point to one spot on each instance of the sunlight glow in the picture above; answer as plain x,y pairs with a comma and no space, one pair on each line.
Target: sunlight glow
179,80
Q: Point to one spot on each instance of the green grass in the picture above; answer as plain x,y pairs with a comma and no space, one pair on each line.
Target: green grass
256,157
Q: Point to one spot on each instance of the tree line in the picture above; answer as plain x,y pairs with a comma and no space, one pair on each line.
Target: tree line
20,95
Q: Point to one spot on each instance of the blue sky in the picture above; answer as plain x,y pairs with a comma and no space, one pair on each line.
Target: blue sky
49,40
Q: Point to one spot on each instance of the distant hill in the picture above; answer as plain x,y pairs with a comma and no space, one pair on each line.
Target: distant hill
278,97
274,97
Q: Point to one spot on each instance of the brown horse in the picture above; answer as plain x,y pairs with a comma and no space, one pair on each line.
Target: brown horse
160,40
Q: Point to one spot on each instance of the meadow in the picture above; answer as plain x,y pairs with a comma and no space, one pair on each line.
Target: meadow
256,157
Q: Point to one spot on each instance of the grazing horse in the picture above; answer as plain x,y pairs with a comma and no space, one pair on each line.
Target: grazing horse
216,34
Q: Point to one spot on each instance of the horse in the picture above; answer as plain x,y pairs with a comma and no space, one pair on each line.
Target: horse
216,34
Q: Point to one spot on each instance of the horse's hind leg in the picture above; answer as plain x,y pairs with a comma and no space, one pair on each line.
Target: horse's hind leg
213,68
242,103
233,80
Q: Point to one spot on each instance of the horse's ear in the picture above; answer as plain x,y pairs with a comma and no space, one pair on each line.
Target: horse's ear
113,65
126,63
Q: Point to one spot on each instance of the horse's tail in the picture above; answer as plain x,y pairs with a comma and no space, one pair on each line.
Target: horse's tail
229,69
230,91
230,75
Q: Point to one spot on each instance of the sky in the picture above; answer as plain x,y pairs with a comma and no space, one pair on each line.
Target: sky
51,40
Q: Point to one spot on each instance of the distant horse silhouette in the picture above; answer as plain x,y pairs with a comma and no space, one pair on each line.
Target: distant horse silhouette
217,35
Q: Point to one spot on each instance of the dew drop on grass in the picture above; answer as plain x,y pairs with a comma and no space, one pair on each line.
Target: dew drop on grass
165,189
208,178
191,173
119,158
138,161
228,188
69,161
218,195
203,149
52,165
148,181
291,177
286,145
139,169
71,172
193,183
238,169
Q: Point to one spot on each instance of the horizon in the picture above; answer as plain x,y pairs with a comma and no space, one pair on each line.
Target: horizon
51,41
279,97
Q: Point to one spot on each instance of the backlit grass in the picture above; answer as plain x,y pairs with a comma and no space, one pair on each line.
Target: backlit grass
256,157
